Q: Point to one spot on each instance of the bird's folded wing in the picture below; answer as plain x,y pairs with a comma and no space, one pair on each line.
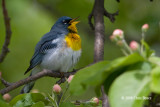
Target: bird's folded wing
41,49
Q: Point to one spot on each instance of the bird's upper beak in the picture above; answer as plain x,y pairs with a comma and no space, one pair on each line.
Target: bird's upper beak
74,21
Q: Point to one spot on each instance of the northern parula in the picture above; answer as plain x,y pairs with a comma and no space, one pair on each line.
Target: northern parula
58,50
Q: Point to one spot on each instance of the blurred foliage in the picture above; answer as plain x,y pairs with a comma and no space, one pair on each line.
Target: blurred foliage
31,19
128,81
29,99
100,71
137,85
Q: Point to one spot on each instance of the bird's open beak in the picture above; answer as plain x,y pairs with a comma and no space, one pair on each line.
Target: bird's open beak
74,20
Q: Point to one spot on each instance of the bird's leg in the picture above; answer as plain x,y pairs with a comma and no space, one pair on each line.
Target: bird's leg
62,74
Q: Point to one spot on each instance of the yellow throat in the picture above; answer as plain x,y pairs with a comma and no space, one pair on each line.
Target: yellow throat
72,39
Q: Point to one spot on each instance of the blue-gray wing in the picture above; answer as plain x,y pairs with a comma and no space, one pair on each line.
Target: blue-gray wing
43,46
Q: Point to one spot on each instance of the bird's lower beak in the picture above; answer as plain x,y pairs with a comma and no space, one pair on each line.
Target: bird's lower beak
74,21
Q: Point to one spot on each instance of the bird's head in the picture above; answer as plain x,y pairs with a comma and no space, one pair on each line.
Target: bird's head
66,23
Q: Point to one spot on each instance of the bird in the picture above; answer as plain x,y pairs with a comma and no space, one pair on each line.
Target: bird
58,50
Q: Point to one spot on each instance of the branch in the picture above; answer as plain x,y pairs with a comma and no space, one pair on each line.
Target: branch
56,74
5,49
90,20
111,16
98,13
7,84
104,98
66,75
154,100
118,1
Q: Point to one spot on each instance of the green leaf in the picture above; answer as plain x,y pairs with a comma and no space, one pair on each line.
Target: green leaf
53,100
84,105
155,80
67,104
129,89
148,52
90,104
96,74
112,77
38,97
1,98
120,65
155,60
24,101
78,84
4,104
38,104
124,61
17,98
144,67
27,99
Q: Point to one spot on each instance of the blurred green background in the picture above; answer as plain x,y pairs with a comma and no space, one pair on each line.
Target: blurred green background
31,19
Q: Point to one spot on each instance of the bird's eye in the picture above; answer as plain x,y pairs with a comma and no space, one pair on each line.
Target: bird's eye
64,21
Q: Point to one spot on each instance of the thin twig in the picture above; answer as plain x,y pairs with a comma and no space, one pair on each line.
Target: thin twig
62,80
66,75
153,101
29,79
118,1
111,16
90,20
5,82
5,49
104,98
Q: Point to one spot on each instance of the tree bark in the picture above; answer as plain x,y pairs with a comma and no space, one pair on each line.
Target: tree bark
99,30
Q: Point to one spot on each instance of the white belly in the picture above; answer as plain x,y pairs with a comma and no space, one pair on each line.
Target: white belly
60,59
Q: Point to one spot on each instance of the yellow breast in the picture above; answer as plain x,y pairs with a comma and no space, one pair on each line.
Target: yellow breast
73,41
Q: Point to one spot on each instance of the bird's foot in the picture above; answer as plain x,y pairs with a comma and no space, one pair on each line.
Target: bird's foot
62,74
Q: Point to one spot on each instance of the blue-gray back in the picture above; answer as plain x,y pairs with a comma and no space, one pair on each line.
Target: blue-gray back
43,46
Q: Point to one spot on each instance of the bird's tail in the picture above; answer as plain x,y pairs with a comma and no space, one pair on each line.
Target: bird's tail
29,86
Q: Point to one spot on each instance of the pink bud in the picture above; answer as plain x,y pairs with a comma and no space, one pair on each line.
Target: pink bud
95,100
56,88
134,45
113,38
145,27
0,74
70,78
6,97
118,33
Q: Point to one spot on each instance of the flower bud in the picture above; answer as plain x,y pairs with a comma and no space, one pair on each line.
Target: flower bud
56,88
145,27
134,45
7,97
95,100
118,33
112,37
0,74
35,91
120,43
70,78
